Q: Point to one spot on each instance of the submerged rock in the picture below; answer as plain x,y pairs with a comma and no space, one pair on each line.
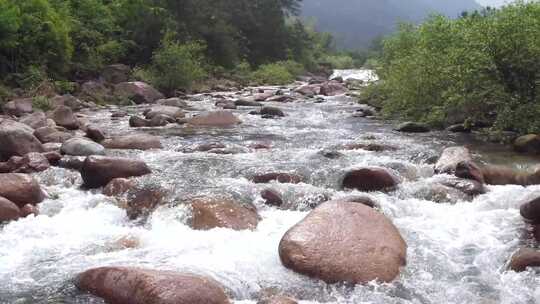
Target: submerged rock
370,179
285,178
222,213
277,300
133,142
118,186
21,189
524,258
344,242
98,171
127,285
142,202
272,197
272,111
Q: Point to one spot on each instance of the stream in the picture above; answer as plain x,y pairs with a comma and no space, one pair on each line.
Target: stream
457,252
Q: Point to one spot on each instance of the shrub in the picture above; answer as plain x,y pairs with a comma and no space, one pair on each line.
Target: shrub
340,62
272,74
175,66
42,102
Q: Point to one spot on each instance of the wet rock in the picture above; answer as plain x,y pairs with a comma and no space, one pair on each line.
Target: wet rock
333,88
29,163
51,135
142,202
50,147
139,122
118,186
206,147
359,199
309,90
285,178
173,102
98,171
8,211
215,119
413,127
469,187
222,213
17,139
173,112
116,73
469,170
28,210
71,162
119,114
263,96
528,144
280,98
331,154
450,158
524,258
35,120
133,142
272,111
344,242
79,146
138,92
247,102
64,117
53,157
458,128
18,107
95,133
21,189
370,179
530,210
126,285
373,147
226,104
161,120
272,197
277,300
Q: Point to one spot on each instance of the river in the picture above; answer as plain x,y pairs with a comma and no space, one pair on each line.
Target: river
457,252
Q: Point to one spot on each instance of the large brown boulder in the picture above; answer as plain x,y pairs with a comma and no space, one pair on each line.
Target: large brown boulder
450,158
370,179
333,88
133,142
80,146
52,135
523,258
138,92
18,107
309,90
141,202
530,210
64,117
30,163
215,119
127,285
528,144
344,242
222,213
17,139
98,171
8,211
21,189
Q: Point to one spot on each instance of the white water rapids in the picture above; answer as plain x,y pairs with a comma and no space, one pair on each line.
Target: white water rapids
456,252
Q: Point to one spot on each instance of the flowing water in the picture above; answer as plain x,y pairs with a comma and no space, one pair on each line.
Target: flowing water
456,252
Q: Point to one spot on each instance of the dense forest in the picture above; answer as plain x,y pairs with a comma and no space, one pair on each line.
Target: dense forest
482,69
171,43
356,23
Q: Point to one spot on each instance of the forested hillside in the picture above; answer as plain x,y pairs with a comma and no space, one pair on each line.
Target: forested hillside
355,23
172,43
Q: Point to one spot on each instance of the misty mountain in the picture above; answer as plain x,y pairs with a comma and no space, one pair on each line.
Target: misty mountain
355,23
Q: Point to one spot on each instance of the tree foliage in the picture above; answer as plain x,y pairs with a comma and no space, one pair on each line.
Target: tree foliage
484,66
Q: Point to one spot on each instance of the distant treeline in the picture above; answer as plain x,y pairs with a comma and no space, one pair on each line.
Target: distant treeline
74,39
480,69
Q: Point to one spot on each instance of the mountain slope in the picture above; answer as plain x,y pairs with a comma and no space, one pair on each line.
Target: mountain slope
355,23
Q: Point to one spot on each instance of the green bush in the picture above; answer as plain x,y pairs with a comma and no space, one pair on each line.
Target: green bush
272,74
42,102
339,61
484,66
175,66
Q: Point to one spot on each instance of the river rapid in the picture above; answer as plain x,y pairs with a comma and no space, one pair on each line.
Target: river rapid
457,252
